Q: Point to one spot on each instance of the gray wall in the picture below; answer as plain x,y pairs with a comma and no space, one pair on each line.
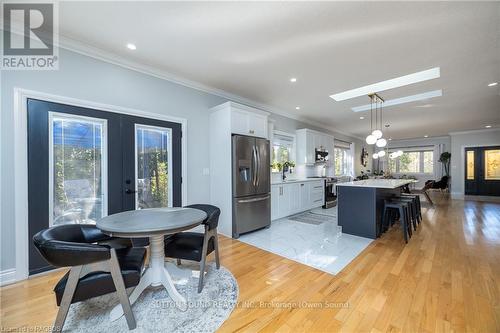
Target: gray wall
90,79
458,142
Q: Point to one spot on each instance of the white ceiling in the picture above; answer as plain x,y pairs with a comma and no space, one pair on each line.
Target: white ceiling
251,49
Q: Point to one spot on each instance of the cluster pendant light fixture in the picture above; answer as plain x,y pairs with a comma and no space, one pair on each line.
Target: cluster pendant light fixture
376,136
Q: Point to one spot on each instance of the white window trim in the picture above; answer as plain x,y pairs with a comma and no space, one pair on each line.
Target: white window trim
20,115
349,163
104,159
294,144
169,152
421,162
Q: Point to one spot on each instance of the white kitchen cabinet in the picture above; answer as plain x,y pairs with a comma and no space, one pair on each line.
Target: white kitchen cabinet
248,123
295,197
307,143
275,201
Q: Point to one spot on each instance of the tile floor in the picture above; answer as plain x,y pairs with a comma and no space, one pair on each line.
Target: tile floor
319,246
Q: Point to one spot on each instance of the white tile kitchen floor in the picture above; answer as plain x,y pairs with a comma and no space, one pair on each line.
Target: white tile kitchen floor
318,246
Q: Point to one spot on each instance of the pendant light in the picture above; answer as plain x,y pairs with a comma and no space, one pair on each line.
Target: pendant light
371,139
381,142
375,156
381,153
377,132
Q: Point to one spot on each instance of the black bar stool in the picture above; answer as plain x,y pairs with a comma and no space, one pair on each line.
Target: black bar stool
412,210
419,205
392,207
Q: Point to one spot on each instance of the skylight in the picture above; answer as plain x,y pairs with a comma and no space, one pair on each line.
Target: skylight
401,81
402,100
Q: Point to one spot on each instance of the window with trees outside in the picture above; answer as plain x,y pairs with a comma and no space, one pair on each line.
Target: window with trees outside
282,149
341,156
413,162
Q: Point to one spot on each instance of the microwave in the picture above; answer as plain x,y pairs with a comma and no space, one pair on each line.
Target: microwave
321,155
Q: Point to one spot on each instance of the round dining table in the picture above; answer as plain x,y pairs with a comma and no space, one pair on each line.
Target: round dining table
154,223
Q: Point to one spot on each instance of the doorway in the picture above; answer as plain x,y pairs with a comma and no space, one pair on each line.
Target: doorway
84,164
482,171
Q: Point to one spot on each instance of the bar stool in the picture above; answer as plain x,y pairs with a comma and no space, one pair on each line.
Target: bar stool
417,200
401,207
412,210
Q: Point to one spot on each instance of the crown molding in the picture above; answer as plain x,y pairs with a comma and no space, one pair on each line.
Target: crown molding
109,57
475,131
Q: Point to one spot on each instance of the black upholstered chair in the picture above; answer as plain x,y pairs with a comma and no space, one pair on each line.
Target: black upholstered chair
196,246
99,265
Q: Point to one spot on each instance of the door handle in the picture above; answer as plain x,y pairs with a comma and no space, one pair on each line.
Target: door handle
254,200
129,191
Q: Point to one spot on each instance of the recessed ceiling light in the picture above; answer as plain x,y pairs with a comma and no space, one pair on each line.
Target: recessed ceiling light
401,81
390,139
361,117
492,84
426,136
131,46
402,100
297,108
488,126
293,79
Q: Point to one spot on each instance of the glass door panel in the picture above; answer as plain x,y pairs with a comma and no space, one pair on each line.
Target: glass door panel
492,164
153,154
77,160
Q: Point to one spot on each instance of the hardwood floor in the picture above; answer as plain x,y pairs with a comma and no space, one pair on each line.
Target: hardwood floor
446,279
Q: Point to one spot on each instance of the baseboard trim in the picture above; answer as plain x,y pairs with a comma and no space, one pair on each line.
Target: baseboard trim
7,276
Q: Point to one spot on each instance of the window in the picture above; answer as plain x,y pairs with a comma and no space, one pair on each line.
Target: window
470,165
492,164
412,162
282,150
341,156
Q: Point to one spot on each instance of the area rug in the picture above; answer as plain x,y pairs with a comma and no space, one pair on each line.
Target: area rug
312,218
155,311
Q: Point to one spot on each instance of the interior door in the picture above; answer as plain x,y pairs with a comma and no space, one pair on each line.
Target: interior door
482,171
82,165
244,165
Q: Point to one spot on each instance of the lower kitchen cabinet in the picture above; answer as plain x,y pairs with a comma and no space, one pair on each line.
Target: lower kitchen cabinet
295,197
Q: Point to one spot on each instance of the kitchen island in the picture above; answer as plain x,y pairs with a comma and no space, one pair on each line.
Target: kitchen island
360,204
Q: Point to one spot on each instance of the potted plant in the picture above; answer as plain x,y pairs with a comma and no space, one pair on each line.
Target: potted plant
445,159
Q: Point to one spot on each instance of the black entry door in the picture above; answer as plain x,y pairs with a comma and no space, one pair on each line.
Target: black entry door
482,171
84,164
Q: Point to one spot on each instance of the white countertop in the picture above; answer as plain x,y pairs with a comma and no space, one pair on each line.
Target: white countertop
288,181
379,183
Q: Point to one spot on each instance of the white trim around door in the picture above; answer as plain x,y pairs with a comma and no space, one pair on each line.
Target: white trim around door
20,142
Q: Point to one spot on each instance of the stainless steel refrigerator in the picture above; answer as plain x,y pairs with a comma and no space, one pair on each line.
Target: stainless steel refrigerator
251,184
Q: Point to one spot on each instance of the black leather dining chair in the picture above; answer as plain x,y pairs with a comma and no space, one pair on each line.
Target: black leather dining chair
196,246
97,267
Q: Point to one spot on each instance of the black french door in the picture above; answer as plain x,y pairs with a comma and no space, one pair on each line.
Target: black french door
84,164
482,171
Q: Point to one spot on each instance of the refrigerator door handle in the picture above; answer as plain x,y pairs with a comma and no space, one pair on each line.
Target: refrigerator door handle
257,175
254,165
254,200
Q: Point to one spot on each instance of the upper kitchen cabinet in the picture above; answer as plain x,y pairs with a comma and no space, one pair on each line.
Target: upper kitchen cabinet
307,143
248,121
